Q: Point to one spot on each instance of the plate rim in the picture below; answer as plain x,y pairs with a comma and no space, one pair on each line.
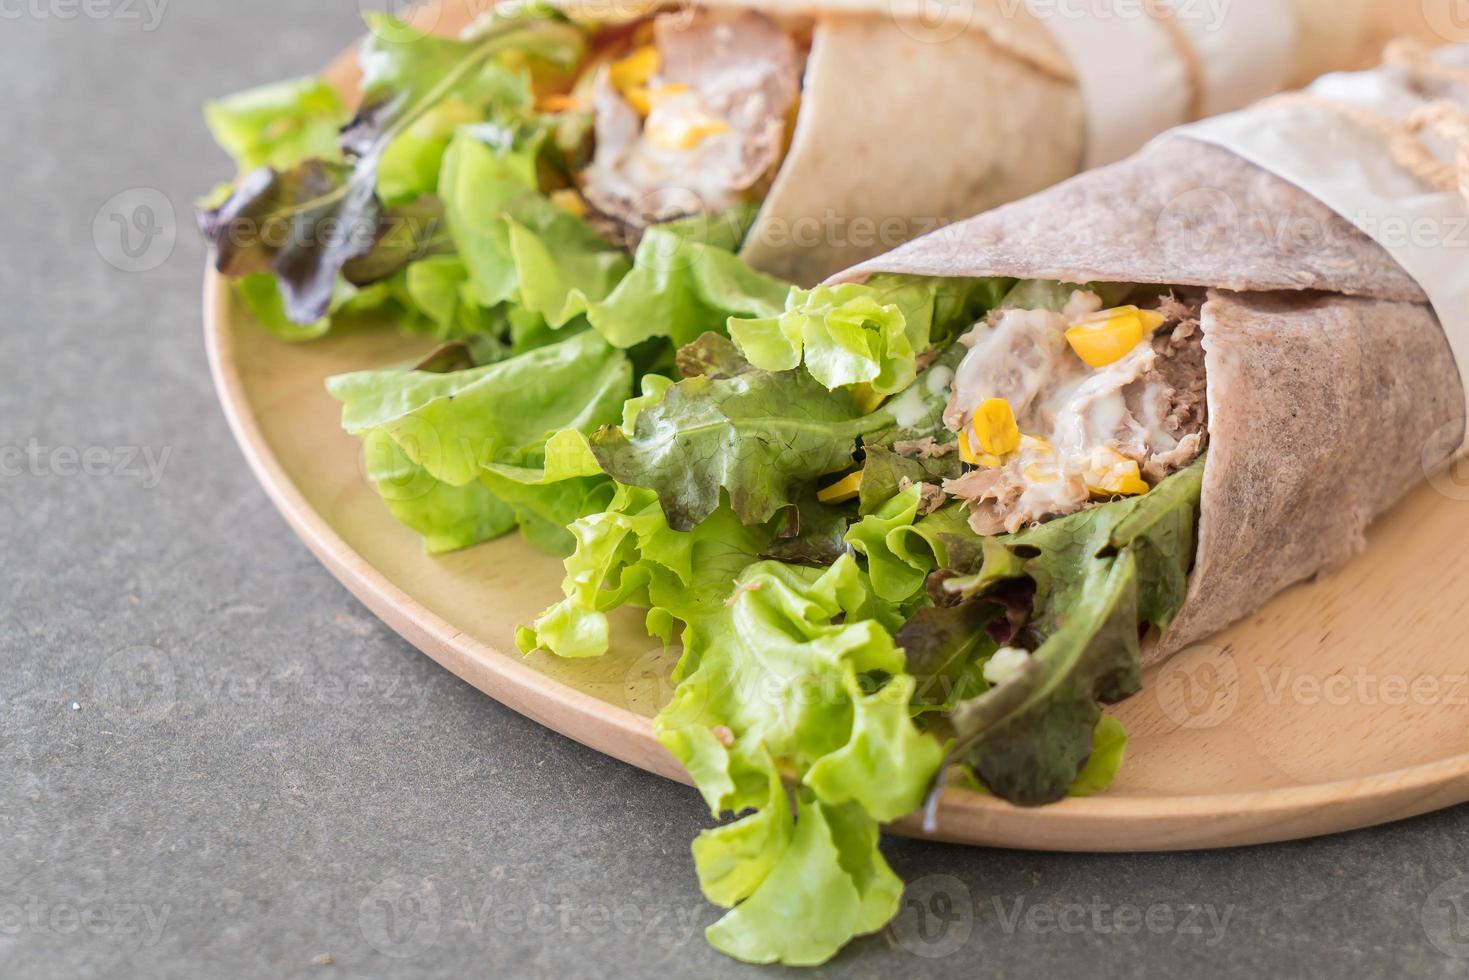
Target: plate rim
624,735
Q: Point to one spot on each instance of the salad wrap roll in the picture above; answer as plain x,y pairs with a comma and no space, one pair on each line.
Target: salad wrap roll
1332,388
905,123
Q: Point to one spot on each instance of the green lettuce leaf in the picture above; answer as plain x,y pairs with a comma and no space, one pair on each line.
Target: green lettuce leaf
827,885
447,517
797,672
686,279
628,555
513,427
865,334
278,125
261,296
519,247
759,436
516,245
1109,746
1098,575
308,222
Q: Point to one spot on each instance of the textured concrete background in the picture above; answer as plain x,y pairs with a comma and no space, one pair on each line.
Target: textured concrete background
213,762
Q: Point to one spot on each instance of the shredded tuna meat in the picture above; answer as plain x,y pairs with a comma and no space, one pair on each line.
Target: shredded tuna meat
1149,408
925,448
735,69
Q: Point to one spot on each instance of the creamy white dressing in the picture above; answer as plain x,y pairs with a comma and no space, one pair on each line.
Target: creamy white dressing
938,379
910,407
1004,664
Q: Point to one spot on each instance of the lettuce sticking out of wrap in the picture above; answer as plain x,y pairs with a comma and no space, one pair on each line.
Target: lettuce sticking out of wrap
872,334
463,456
482,147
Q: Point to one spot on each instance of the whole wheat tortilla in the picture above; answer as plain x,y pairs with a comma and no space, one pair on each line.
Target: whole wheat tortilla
1330,381
908,122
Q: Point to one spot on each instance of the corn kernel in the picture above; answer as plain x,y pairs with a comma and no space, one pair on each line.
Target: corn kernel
636,69
1106,337
966,451
994,427
968,454
847,488
1112,474
557,102
684,132
569,201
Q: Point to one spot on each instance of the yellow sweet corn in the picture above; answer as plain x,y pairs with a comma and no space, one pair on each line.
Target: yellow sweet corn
569,201
968,455
1112,474
636,69
683,132
557,102
847,488
994,427
1105,337
646,98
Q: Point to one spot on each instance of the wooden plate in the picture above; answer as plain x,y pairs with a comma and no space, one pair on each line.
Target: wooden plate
1341,704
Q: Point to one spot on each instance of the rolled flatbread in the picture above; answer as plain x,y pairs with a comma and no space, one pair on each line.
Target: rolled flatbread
1332,388
907,123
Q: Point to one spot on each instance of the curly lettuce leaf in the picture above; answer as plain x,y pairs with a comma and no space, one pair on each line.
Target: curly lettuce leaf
262,298
278,125
865,334
759,436
447,517
1098,575
829,884
686,279
306,223
519,247
512,427
628,555
798,673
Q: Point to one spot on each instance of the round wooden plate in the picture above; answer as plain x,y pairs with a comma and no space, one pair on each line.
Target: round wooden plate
1342,704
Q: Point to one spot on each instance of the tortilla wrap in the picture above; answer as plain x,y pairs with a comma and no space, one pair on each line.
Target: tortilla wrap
905,126
1332,389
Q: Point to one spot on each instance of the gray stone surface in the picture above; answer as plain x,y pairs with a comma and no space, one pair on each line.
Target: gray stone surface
213,762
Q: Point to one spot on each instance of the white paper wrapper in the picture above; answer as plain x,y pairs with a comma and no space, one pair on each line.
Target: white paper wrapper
1351,169
1134,79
